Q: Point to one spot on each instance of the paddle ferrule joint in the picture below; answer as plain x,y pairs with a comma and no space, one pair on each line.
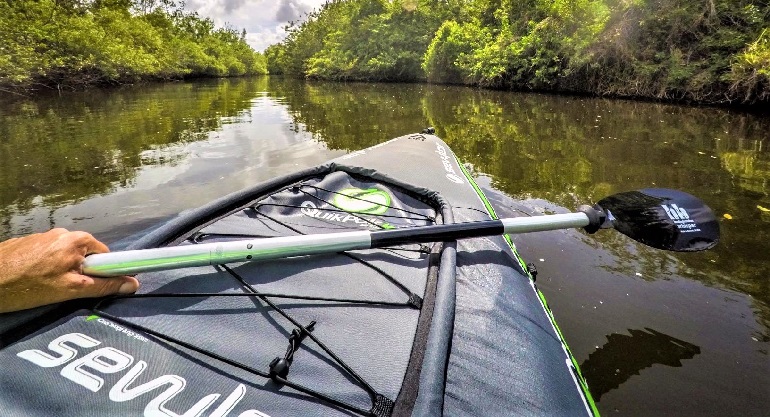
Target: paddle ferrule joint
542,223
596,218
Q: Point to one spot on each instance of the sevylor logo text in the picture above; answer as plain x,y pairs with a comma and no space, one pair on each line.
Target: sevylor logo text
447,162
87,372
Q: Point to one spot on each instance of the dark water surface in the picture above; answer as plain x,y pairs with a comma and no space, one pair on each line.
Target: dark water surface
656,333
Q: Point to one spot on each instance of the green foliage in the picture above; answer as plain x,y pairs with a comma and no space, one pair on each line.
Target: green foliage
705,51
450,51
359,40
275,56
534,44
751,71
756,57
676,49
77,42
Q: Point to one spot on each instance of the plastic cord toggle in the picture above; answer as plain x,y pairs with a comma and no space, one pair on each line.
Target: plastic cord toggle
279,367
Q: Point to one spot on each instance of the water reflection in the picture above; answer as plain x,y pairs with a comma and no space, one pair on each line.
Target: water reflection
572,151
64,150
118,161
55,152
593,294
624,356
353,116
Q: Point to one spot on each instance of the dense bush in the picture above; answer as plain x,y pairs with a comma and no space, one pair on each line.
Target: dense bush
358,40
751,70
713,51
72,43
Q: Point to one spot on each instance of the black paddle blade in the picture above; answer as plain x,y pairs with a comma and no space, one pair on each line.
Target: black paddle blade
663,218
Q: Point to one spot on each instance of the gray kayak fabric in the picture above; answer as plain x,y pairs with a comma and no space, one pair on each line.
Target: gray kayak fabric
506,357
453,329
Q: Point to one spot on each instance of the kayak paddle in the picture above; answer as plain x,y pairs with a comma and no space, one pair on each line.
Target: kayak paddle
662,218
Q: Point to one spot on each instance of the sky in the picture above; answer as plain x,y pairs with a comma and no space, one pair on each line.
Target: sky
262,19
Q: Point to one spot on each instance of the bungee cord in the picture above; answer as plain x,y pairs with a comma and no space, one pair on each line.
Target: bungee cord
280,366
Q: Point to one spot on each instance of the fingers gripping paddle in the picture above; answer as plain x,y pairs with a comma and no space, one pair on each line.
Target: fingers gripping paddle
664,219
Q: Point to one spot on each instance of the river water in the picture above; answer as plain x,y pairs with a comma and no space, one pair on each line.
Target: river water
656,333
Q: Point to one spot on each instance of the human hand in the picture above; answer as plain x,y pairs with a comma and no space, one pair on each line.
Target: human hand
46,268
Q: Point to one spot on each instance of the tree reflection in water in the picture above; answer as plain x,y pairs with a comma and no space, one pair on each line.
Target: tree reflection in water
624,356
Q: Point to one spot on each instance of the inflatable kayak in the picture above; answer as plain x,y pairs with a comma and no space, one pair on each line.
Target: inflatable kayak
424,329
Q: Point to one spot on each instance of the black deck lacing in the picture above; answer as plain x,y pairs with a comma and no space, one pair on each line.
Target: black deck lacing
280,367
389,277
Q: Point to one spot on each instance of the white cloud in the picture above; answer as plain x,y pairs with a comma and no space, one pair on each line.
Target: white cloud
262,19
289,10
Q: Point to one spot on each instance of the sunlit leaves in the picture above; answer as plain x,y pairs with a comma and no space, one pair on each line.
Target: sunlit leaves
751,70
359,40
449,57
666,49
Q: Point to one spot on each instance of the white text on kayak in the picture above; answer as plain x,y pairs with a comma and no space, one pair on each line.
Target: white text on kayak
86,370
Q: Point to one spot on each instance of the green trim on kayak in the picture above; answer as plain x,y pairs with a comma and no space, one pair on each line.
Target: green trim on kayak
581,380
492,214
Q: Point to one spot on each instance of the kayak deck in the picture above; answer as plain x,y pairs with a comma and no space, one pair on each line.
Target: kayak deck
421,329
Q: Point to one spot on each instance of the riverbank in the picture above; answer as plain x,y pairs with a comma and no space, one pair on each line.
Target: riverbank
53,44
716,52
